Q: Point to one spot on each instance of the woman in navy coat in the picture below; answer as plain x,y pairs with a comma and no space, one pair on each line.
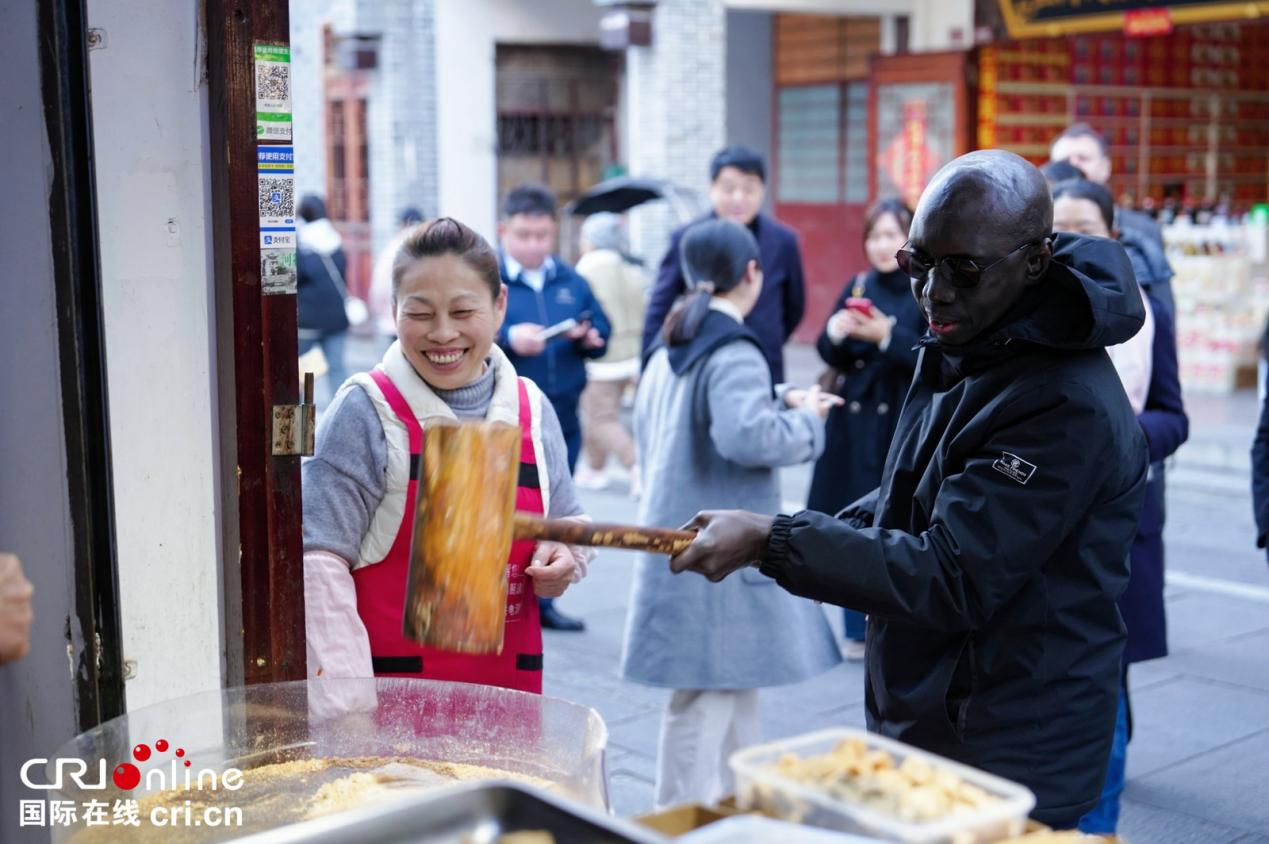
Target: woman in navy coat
874,355
1084,207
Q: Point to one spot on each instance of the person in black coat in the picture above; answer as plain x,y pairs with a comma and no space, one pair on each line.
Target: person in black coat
872,352
737,187
1147,366
320,268
1260,459
990,558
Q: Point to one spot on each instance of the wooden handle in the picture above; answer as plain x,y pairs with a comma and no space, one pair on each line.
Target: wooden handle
600,535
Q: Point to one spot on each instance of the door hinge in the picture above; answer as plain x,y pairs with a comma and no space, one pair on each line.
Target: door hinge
294,425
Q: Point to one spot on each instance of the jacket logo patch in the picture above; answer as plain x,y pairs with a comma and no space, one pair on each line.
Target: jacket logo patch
1015,467
565,297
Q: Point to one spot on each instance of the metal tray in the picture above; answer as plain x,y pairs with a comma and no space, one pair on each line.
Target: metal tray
476,813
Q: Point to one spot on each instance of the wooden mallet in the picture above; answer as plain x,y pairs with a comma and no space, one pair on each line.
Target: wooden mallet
464,523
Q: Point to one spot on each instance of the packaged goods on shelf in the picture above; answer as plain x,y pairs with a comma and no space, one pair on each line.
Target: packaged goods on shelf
1222,296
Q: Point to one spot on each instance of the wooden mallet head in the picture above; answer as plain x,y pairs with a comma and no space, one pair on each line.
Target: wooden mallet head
464,523
456,596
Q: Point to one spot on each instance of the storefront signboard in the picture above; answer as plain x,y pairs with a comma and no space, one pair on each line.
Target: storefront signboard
1054,18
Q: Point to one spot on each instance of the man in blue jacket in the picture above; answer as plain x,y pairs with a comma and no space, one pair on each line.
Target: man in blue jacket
543,291
737,187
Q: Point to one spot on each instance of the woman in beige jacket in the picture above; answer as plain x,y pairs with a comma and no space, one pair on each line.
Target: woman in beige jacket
621,288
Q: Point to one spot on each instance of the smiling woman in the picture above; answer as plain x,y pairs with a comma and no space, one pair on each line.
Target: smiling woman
364,476
450,302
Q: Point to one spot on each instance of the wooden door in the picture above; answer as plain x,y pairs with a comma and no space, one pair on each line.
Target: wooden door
820,174
257,351
919,119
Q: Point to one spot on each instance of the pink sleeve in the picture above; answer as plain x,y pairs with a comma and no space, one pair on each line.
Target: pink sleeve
338,645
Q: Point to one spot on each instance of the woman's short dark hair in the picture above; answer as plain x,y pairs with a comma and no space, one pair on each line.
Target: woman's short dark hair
893,206
1060,171
534,200
1099,195
715,256
312,207
447,236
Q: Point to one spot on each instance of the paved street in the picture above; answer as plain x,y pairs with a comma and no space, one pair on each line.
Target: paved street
1198,765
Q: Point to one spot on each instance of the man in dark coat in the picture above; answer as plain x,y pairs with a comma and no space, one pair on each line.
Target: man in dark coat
737,187
990,558
320,265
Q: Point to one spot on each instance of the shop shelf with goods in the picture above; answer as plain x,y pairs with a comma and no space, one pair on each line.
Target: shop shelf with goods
1185,115
1221,289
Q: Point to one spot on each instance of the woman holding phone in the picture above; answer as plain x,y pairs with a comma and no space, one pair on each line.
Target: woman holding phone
711,432
869,345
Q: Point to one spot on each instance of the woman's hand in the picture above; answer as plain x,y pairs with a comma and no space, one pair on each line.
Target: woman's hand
812,398
553,569
872,328
15,610
839,326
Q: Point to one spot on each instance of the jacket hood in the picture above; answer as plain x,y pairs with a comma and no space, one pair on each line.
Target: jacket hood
716,330
1149,262
318,236
1088,299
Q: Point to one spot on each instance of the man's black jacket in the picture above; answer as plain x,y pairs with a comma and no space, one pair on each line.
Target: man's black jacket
991,557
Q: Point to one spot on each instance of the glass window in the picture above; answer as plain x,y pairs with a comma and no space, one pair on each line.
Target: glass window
808,143
856,143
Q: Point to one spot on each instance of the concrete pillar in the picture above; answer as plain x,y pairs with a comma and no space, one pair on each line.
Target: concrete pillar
676,108
402,121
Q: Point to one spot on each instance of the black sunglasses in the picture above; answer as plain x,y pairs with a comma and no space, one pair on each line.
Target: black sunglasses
965,272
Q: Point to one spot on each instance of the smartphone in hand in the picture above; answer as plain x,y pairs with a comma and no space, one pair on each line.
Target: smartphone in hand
860,305
557,329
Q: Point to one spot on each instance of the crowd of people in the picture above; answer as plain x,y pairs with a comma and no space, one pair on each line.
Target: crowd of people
999,396
988,435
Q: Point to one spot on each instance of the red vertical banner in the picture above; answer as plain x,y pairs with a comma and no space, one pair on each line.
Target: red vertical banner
987,103
916,152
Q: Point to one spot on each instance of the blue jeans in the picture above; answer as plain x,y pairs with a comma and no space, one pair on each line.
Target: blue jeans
856,625
333,349
1104,817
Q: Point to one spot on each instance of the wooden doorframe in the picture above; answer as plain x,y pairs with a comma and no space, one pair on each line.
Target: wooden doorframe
95,641
954,67
256,352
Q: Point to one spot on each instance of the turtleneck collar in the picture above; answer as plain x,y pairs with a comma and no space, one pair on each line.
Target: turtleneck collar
471,400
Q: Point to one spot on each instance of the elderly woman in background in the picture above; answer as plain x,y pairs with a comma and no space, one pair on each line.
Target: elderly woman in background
621,288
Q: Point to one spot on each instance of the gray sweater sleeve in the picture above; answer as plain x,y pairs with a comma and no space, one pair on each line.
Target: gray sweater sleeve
745,424
563,493
345,479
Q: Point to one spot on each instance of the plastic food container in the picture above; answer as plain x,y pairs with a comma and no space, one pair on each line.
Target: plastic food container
759,786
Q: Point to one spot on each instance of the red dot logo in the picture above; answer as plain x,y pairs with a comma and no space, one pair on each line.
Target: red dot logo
180,751
126,776
187,763
141,752
161,745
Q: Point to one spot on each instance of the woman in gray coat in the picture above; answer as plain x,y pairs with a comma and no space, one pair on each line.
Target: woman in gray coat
710,432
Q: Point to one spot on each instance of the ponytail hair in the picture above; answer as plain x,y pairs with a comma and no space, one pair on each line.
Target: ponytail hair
715,256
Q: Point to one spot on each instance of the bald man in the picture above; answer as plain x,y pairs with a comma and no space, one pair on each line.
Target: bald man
990,558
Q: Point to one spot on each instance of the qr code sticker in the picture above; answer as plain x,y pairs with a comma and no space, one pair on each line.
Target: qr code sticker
273,81
276,196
